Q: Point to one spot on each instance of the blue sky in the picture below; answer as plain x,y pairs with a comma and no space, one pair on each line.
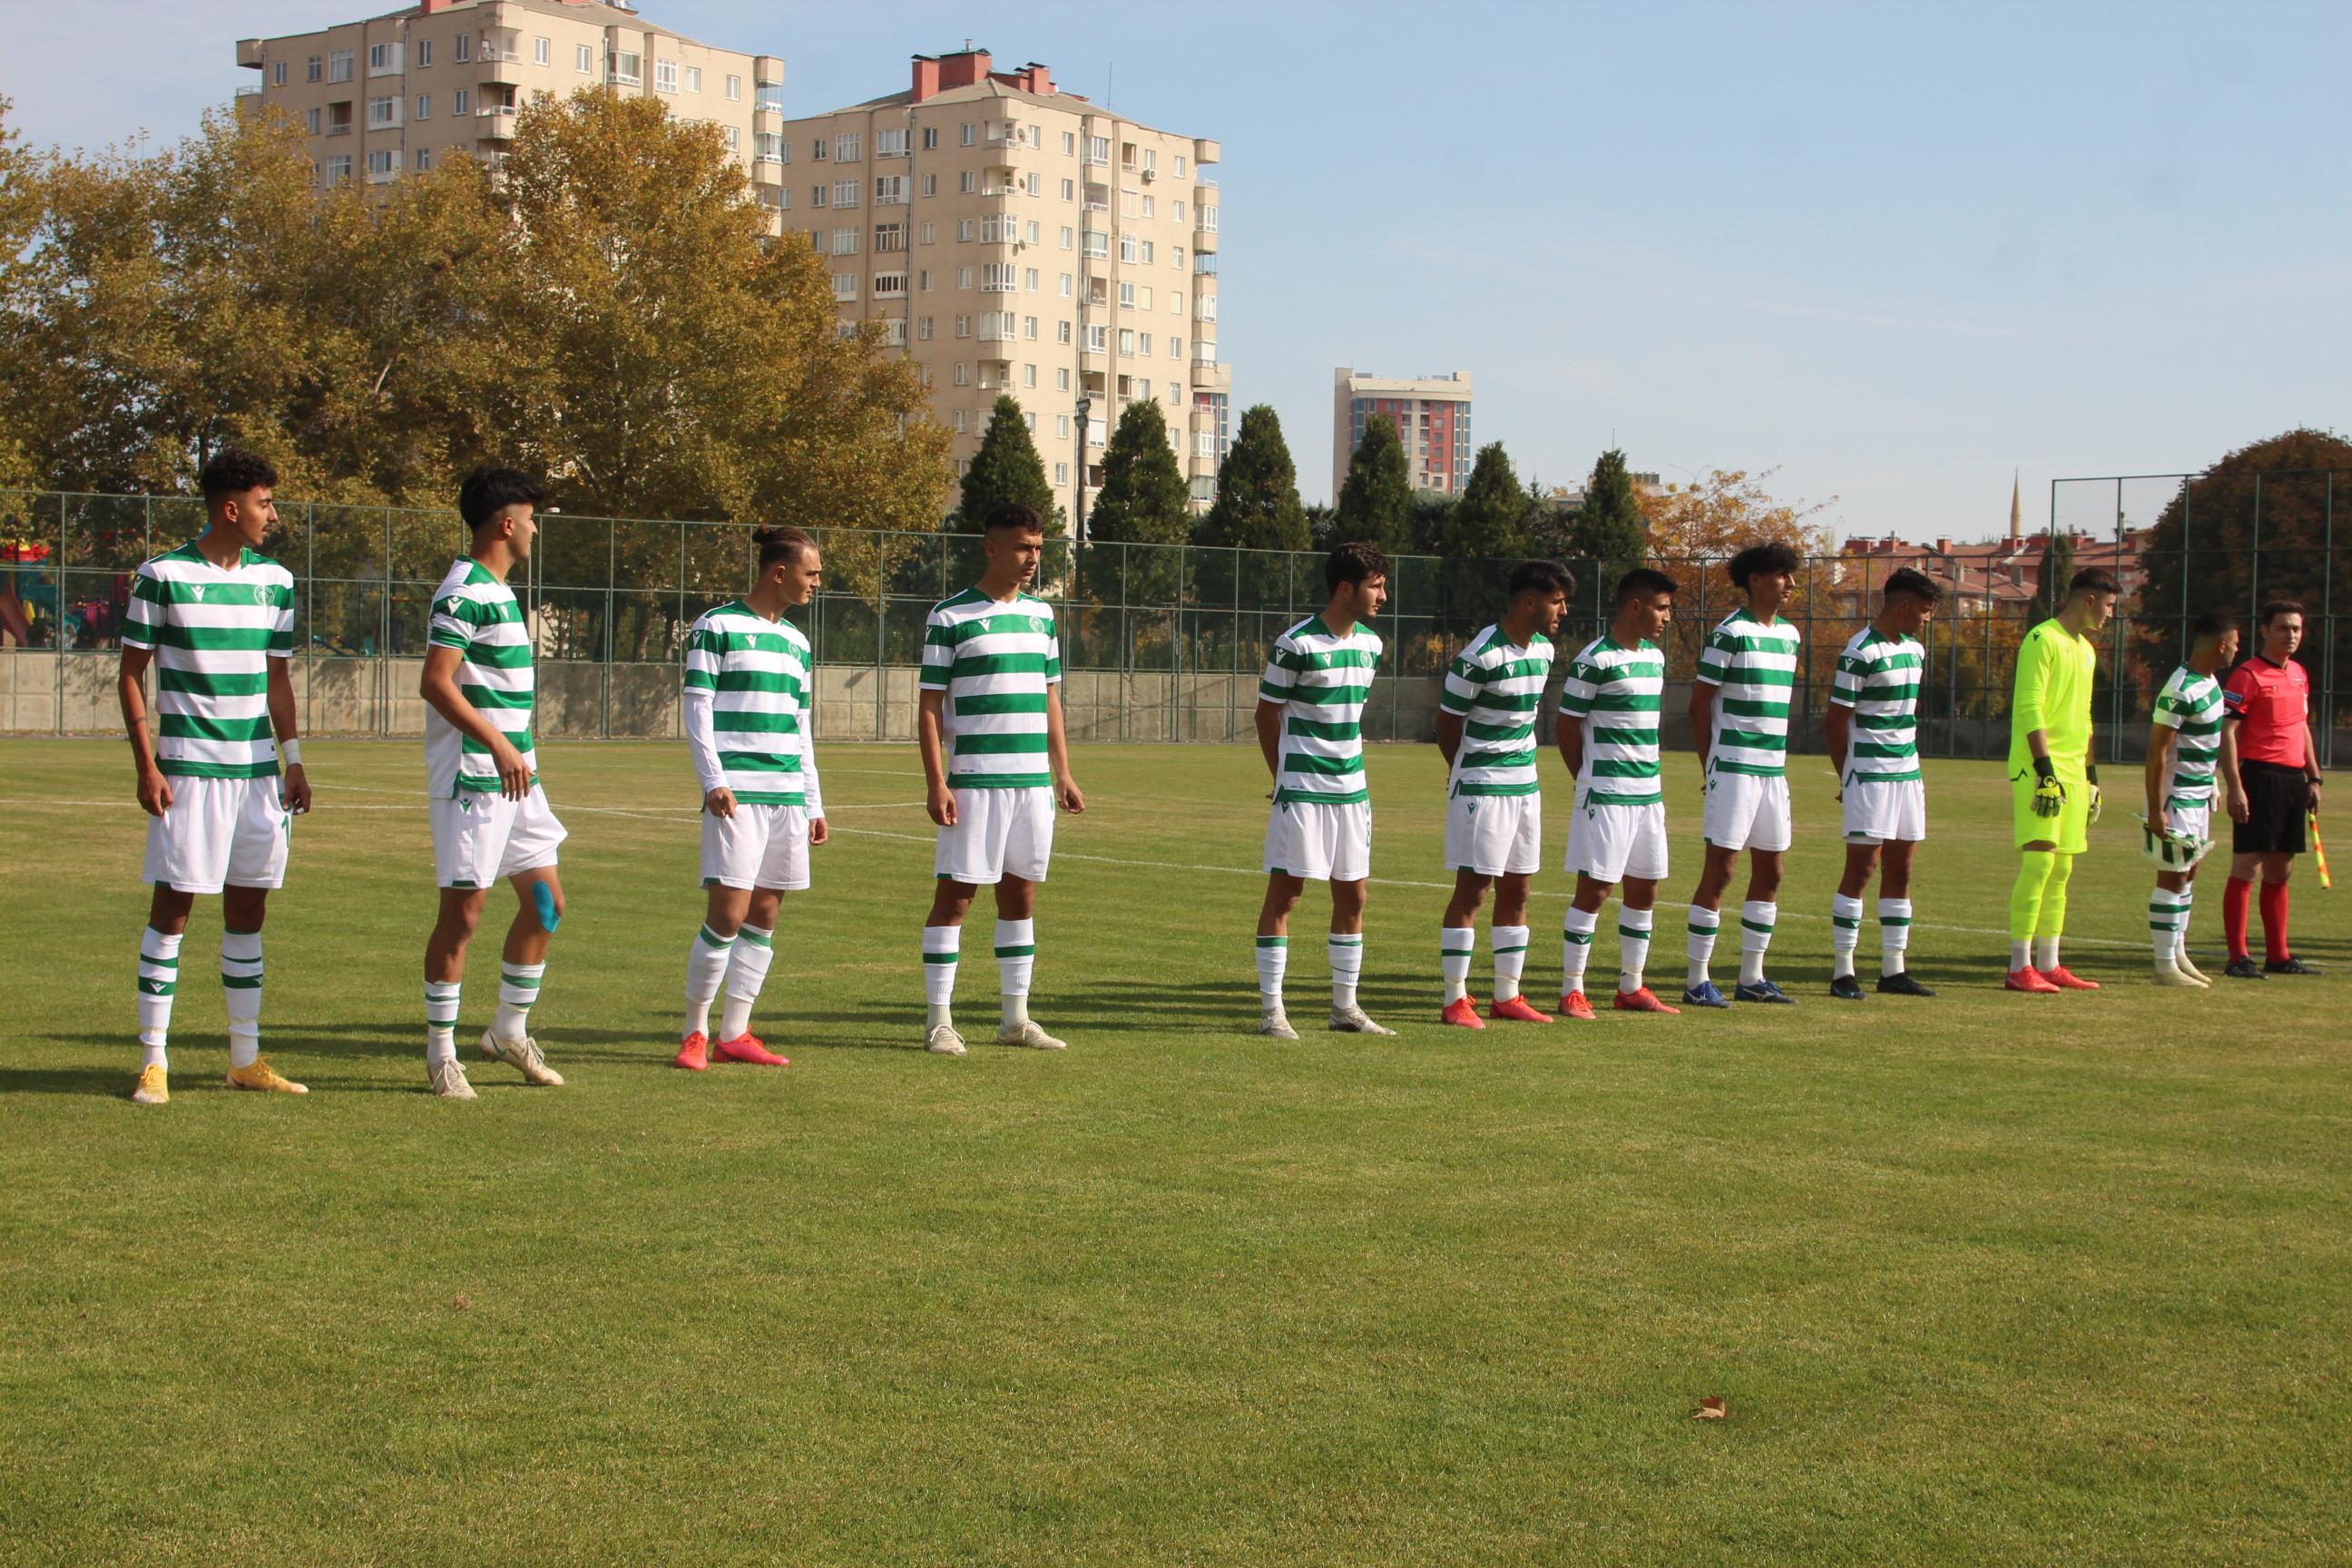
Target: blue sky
1893,250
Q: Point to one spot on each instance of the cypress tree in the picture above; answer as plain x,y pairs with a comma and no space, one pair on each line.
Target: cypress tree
2050,587
1491,517
1609,527
1144,498
1005,468
1257,505
1376,499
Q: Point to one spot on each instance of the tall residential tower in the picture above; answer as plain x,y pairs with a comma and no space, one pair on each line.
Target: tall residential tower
1432,418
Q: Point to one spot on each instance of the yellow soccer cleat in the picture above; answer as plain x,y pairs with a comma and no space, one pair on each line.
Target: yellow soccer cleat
155,1087
262,1075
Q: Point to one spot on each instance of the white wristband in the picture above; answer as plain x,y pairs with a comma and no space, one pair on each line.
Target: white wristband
291,751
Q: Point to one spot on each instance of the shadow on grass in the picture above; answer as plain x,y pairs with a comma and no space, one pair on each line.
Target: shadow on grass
112,1083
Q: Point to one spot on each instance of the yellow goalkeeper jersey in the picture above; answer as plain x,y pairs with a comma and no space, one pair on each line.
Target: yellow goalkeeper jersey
2055,671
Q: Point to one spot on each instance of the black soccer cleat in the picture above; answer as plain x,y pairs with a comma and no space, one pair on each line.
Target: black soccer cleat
2244,969
2289,965
1900,984
1845,987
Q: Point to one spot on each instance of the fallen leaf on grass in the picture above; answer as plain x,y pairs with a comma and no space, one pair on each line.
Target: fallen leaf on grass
1709,1409
462,1304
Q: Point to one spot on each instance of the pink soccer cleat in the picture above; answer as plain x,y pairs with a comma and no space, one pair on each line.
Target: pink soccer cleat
693,1054
1516,1008
1464,1012
747,1048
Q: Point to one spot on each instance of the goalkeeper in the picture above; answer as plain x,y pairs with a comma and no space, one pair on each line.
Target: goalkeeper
2054,783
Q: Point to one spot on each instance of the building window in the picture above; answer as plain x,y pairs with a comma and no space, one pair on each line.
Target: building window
1029,332
964,277
380,165
733,135
890,190
1032,418
998,277
889,285
339,65
844,285
1098,339
997,326
423,160
310,119
1150,206
845,242
964,228
665,76
462,48
627,67
384,59
1062,427
542,51
339,169
1097,149
997,230
930,233
889,236
1061,376
693,79
1175,348
817,151
1097,246
931,137
1208,220
277,74
461,103
1127,296
1069,190
817,193
734,89
971,135
381,111
923,327
1029,281
1127,248
1126,343
923,282
1179,166
930,184
963,423
310,71
968,182
963,371
889,144
584,58
423,48
1062,470
845,193
1070,142
1144,343
847,147
423,106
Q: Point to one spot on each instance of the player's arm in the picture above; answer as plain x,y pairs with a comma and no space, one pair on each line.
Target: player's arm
154,789
2313,778
297,797
812,789
2162,739
1456,695
1058,752
2233,788
1450,727
930,738
1274,688
702,744
2030,708
1269,735
1567,734
1702,717
1837,728
438,687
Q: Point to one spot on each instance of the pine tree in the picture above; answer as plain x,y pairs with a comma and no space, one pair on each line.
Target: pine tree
2050,587
1376,499
1491,519
1257,505
1609,527
1144,498
1005,468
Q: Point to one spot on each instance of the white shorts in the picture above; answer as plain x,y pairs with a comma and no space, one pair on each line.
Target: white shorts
219,833
1318,841
999,833
1611,843
482,838
1746,811
758,847
1881,811
1494,834
2191,821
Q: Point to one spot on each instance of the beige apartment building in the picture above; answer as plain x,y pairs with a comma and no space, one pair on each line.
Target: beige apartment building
1016,239
1432,418
389,95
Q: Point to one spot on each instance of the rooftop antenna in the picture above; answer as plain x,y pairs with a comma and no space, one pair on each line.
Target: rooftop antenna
1110,83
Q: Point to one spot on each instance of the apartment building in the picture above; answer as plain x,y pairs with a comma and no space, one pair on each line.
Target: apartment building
1431,415
1016,239
389,95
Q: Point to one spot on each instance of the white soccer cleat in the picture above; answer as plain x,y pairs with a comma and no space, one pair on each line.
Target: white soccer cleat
2191,970
1275,1024
2173,974
1352,1021
943,1041
523,1056
448,1080
1027,1033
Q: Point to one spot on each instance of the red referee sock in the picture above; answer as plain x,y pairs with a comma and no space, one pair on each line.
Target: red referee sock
2235,895
2275,922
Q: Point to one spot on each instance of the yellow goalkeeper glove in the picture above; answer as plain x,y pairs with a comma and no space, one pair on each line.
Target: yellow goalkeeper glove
2049,794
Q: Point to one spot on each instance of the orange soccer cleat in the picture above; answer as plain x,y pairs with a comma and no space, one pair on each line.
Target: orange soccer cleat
1517,1009
2064,979
2029,980
1575,1006
695,1054
1463,1012
747,1047
1641,1000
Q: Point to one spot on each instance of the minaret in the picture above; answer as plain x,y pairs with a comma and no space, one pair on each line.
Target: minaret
2016,510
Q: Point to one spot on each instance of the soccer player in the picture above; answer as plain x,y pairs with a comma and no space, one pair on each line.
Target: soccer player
1310,711
1493,812
2274,785
2053,783
216,619
991,683
1739,725
489,816
2184,740
1873,729
1617,829
749,698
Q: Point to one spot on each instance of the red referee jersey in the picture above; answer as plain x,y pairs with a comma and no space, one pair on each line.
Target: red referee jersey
2272,703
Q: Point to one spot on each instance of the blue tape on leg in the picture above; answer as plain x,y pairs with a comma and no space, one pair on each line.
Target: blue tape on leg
542,899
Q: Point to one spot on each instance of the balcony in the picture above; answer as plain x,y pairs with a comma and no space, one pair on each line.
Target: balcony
1204,241
1204,194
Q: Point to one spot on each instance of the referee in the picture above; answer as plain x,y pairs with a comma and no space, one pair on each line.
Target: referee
2270,774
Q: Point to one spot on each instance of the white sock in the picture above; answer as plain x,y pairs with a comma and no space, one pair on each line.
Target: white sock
1510,943
1576,929
2021,955
1893,934
159,977
241,983
441,1020
1632,947
747,971
1845,934
706,970
1273,961
2164,913
1704,925
1347,968
2186,896
1016,957
942,946
1456,944
1756,921
2045,953
518,992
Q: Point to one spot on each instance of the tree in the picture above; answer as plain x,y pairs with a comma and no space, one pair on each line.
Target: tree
2049,579
1144,499
1725,513
1006,468
1491,519
1376,499
1609,525
1257,505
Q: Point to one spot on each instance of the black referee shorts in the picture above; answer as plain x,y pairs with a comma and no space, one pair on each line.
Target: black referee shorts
2276,800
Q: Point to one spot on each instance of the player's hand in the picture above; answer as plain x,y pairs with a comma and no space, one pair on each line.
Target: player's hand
721,803
2311,796
818,831
2096,804
296,796
940,803
1072,801
2049,794
514,773
2240,811
2159,822
154,792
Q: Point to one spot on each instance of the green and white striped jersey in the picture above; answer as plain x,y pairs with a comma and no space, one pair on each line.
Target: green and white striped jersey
749,695
1878,678
995,661
475,613
1616,691
213,632
1321,680
1496,686
2191,703
1753,668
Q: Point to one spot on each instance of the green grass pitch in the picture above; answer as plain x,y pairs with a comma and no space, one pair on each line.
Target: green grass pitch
1991,1278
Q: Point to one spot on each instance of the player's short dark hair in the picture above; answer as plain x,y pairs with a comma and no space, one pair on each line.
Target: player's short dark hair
780,544
1011,517
1913,584
1540,577
232,470
1641,582
2278,607
2093,580
488,491
1354,561
1773,555
2213,623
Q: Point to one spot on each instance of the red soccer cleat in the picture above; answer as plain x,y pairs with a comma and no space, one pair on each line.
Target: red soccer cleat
1464,1012
1517,1009
693,1054
2029,980
2063,979
1641,1000
1575,1006
747,1047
